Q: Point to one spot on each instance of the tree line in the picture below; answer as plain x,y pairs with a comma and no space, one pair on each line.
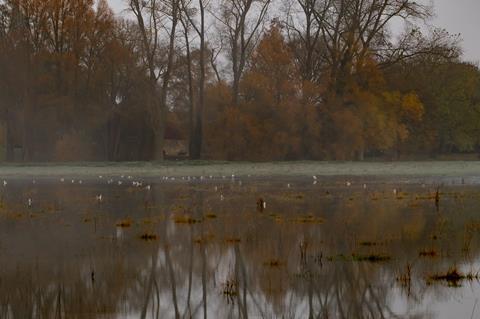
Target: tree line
235,79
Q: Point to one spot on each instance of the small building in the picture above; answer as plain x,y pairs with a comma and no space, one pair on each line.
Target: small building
176,146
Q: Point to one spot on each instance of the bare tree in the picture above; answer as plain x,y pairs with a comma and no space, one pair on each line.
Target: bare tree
353,30
189,11
243,22
155,18
191,94
302,23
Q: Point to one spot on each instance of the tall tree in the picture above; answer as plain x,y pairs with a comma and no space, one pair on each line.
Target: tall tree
153,17
199,26
242,21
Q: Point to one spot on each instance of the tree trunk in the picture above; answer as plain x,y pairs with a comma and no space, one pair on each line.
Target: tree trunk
159,141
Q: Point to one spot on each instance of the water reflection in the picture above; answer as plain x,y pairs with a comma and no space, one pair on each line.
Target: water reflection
203,250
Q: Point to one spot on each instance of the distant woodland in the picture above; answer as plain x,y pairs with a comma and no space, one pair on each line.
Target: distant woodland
254,80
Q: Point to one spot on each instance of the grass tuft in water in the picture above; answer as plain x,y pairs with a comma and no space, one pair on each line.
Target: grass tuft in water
148,237
453,277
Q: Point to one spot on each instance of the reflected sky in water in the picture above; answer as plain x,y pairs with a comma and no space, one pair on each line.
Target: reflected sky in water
339,248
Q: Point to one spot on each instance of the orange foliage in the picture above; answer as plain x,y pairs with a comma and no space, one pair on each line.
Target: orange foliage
275,120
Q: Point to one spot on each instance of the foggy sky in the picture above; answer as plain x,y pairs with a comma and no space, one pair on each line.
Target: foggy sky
457,16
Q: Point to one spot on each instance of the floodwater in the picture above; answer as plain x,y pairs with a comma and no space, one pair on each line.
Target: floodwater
210,248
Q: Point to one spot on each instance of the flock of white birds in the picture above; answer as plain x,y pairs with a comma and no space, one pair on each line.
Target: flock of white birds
129,180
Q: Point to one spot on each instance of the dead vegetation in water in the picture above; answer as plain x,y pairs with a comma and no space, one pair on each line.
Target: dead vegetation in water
405,279
203,240
186,220
233,240
273,263
309,219
428,253
211,215
148,237
453,277
293,196
372,258
367,243
230,291
126,223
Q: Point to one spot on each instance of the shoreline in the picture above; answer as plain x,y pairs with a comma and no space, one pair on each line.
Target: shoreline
218,169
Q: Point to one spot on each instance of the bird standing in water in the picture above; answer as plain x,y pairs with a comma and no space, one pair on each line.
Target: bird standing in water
261,205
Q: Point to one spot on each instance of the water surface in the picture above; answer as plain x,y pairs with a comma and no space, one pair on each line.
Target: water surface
176,247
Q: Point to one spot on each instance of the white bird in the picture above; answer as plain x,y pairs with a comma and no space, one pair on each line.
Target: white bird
288,185
73,181
364,186
4,183
100,176
314,177
349,183
120,182
264,204
394,191
315,182
29,202
221,197
99,198
147,187
216,188
62,180
80,182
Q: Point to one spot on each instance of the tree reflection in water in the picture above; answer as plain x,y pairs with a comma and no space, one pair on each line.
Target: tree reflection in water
317,251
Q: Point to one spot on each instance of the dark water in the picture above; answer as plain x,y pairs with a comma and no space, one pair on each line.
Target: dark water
204,248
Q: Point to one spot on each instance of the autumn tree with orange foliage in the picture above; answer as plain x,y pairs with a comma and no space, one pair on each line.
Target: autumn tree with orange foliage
326,81
274,119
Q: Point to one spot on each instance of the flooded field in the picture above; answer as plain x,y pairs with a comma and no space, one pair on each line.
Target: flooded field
239,247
